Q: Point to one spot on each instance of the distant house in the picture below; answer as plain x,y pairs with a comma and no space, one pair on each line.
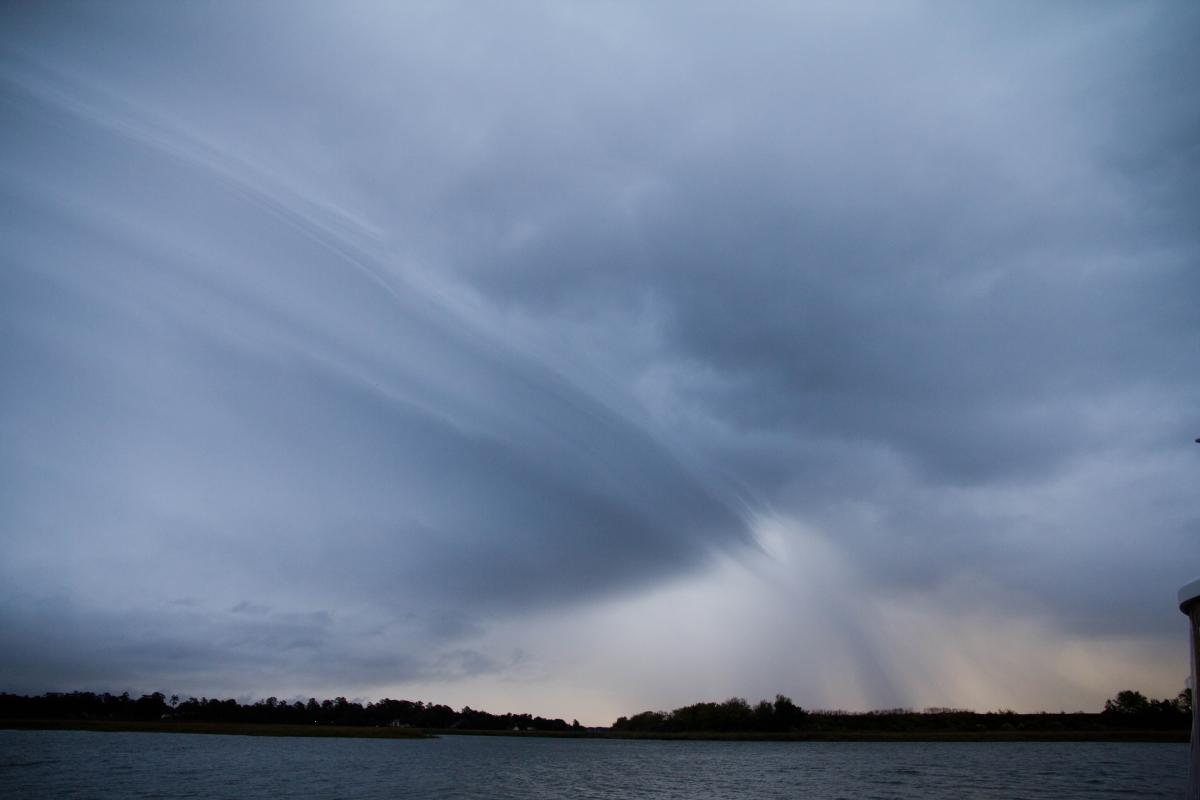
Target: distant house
397,724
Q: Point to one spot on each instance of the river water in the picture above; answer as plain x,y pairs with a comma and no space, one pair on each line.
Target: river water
77,764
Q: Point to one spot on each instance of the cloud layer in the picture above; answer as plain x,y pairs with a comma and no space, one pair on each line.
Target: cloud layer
385,347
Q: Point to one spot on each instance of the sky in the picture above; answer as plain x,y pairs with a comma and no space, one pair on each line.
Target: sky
585,358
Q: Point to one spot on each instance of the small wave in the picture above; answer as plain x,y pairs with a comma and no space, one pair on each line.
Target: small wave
19,764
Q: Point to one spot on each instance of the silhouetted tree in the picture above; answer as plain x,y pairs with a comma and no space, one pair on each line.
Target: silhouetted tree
787,714
1183,701
1127,702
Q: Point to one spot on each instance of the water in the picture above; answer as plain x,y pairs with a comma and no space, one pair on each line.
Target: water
66,764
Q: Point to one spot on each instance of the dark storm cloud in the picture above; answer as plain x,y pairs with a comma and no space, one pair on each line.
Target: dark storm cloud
967,255
400,315
219,393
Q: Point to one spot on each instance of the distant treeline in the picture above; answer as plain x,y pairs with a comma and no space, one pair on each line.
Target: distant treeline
339,711
1128,710
735,714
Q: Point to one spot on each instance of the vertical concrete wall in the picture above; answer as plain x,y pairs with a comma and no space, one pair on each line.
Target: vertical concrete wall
1193,784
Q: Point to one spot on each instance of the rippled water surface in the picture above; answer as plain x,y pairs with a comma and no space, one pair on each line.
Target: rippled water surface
135,765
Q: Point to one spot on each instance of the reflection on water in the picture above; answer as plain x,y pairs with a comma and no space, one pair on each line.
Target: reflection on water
135,765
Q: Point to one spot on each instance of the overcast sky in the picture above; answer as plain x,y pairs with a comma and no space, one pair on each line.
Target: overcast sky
587,358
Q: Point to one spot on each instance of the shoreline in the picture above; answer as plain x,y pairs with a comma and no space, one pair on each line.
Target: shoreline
370,732
217,728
